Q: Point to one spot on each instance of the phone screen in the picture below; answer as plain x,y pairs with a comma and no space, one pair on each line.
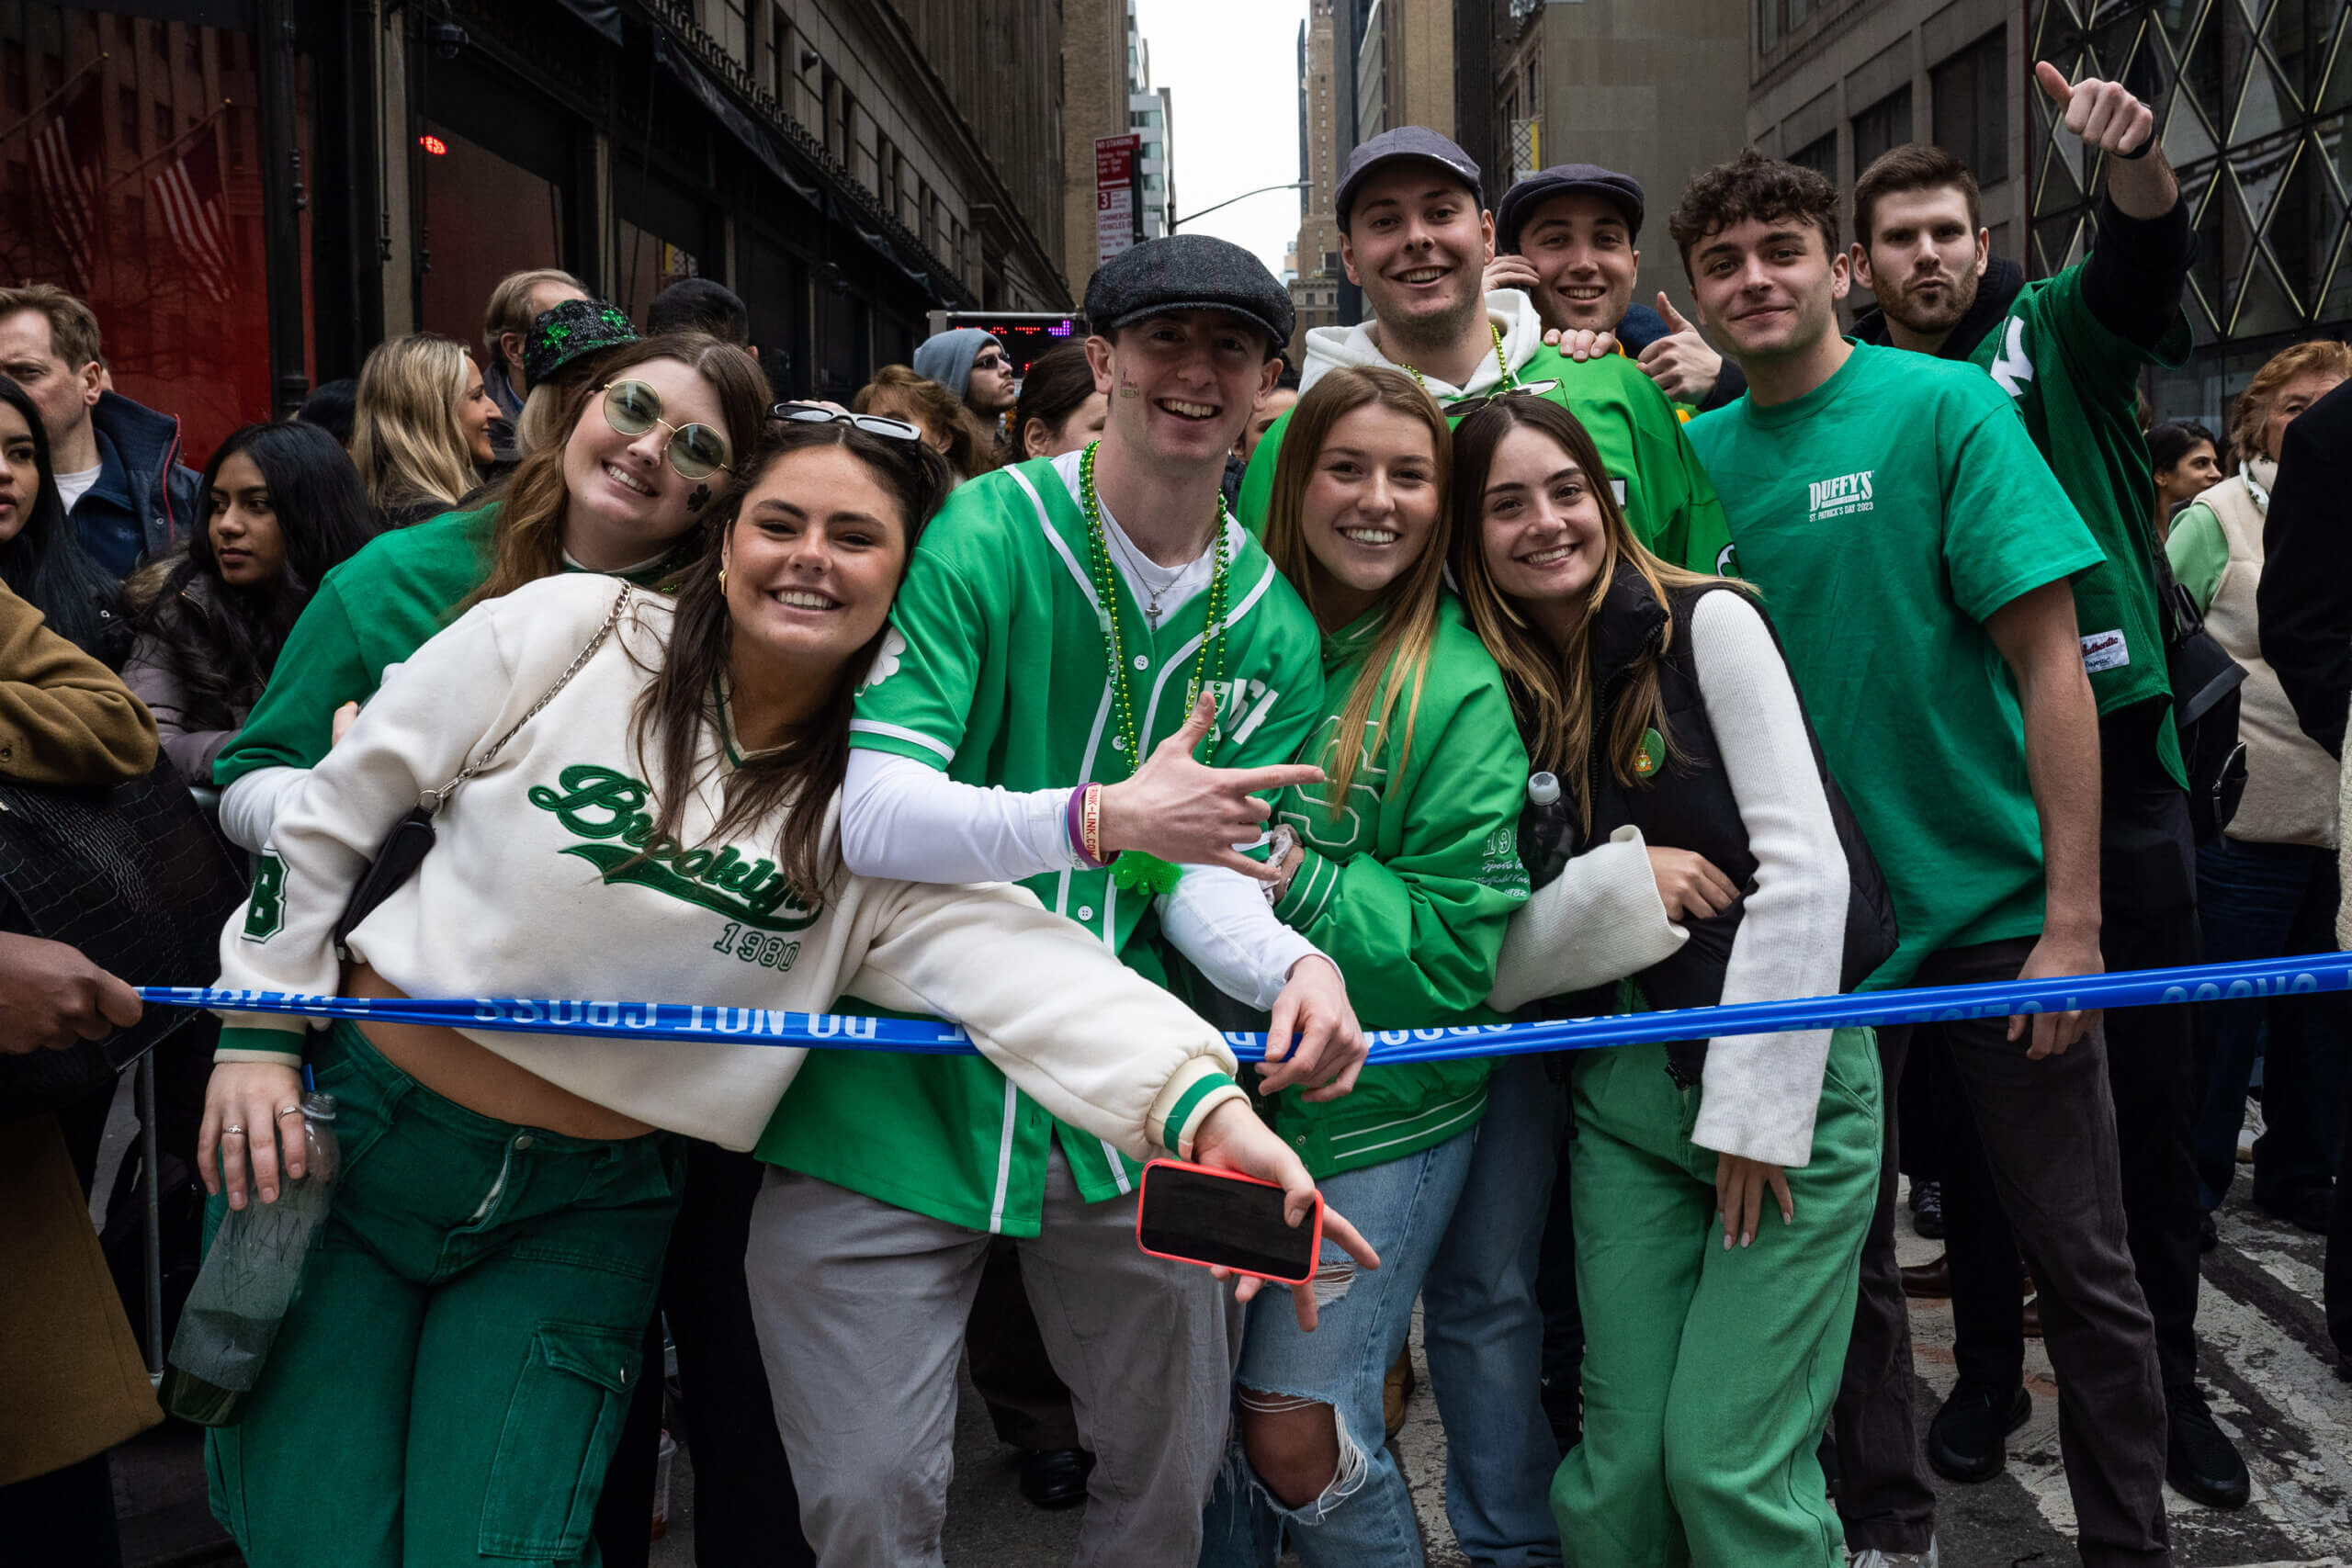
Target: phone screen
1236,1224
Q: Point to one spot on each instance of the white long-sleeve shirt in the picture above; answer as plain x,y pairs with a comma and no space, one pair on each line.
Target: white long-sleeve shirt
534,889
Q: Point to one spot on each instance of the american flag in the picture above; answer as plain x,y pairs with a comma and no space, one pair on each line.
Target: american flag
67,156
189,193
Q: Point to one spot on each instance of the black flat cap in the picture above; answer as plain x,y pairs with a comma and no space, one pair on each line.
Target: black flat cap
563,334
1621,191
1407,144
1189,272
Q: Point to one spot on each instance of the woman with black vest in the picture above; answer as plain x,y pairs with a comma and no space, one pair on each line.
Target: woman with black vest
1661,701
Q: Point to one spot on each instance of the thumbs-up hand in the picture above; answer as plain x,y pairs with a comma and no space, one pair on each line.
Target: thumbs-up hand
1191,815
2107,115
1680,363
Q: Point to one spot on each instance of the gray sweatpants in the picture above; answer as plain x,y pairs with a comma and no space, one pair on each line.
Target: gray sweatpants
860,1309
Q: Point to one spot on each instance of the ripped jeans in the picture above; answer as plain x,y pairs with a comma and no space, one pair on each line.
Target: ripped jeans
1364,1517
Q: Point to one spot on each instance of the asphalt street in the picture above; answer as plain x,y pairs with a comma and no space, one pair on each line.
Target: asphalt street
2263,1353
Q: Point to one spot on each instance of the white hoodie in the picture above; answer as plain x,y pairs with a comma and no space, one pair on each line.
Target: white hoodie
1509,308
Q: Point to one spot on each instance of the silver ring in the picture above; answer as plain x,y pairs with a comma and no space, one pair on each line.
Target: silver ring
289,1110
226,1132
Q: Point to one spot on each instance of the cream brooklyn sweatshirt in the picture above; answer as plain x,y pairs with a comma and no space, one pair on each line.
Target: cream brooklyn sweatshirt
529,892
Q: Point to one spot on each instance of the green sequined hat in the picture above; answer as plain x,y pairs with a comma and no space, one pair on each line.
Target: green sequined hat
572,329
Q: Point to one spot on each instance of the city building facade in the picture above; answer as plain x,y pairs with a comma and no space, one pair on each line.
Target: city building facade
252,193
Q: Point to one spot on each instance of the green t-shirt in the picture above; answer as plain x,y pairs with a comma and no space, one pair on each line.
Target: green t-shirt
994,674
2078,385
371,612
1886,514
1408,887
1659,482
2198,552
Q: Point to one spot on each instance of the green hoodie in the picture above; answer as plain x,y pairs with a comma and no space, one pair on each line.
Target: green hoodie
1408,887
1666,494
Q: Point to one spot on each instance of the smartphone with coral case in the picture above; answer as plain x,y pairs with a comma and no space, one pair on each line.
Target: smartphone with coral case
1220,1219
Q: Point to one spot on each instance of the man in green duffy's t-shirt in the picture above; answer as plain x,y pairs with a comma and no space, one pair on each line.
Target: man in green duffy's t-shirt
1414,233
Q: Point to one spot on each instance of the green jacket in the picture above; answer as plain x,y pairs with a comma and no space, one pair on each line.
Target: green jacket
1408,887
372,610
994,674
1667,495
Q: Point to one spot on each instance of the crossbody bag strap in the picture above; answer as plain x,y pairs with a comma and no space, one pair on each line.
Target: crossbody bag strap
433,800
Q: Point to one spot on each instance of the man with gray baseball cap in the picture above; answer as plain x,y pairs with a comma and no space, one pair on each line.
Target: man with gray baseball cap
1009,732
1566,236
1414,236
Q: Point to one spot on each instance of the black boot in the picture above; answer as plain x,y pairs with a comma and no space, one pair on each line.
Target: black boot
2200,1460
1056,1478
1964,1440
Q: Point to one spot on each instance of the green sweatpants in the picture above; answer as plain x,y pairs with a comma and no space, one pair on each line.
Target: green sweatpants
1708,1374
450,1380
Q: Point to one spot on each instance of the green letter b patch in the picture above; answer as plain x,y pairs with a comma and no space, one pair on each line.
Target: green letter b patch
265,911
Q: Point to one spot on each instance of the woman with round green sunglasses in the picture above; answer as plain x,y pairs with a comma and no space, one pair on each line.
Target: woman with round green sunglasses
632,407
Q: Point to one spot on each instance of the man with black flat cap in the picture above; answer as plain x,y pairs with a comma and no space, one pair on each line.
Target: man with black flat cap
1010,732
1566,236
1415,237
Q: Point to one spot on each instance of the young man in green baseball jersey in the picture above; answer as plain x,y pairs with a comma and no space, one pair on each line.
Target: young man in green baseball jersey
1032,718
1916,554
2069,350
1415,236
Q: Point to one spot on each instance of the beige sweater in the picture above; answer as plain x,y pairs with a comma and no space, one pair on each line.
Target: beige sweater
534,889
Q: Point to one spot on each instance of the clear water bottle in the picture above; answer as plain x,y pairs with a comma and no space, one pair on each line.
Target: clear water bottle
1547,832
247,1281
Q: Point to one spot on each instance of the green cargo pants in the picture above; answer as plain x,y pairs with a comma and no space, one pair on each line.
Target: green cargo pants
451,1378
1708,1374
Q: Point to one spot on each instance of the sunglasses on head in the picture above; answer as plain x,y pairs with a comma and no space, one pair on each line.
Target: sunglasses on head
1468,406
632,407
872,423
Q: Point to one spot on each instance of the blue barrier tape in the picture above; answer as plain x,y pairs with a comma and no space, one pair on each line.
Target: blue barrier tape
753,1026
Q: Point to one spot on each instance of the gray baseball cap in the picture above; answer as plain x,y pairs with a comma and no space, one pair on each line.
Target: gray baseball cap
1406,144
1189,272
1623,192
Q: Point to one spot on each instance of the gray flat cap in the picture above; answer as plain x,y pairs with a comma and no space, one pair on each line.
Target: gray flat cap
1407,144
1621,191
1189,272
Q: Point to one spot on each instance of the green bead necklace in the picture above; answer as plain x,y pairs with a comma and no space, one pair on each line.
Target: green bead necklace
1501,364
1135,869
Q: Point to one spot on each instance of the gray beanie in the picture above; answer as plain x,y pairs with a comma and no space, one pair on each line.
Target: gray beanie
946,357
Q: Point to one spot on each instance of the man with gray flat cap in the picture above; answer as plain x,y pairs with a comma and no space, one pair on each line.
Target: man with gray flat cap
1415,237
1109,761
1566,236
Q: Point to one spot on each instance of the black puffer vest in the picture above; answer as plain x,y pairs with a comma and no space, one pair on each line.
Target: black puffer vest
1686,803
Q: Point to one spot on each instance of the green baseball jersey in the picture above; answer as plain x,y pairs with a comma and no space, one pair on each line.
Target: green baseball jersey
372,610
1886,516
994,674
2078,385
1665,491
1407,883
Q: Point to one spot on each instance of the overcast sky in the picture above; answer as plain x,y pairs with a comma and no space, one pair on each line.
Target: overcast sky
1231,67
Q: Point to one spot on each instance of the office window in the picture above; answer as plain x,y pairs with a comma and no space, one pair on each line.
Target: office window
1885,124
1971,107
1820,155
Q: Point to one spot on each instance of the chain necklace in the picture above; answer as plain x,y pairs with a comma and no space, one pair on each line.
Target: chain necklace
1143,567
1134,868
1501,364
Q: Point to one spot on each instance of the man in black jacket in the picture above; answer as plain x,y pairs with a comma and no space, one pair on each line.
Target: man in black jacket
2304,605
2070,350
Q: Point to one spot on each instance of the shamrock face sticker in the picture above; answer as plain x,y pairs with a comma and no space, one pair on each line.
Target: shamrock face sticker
700,499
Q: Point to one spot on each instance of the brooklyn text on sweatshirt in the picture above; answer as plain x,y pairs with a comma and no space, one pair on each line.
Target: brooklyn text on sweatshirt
547,879
1656,477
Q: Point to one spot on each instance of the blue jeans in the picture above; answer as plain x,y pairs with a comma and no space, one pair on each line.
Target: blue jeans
1483,1331
1364,1517
2268,901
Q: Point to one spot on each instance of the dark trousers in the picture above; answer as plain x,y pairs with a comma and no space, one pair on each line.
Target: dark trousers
1028,1400
2148,885
1555,1296
2337,1288
2270,901
2048,1130
746,1509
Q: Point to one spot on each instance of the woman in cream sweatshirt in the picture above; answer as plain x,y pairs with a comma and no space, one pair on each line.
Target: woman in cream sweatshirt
662,828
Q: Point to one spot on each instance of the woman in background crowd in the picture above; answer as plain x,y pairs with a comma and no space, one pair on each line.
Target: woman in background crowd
1660,700
2186,462
1060,410
282,507
953,430
42,558
2266,887
562,350
421,428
